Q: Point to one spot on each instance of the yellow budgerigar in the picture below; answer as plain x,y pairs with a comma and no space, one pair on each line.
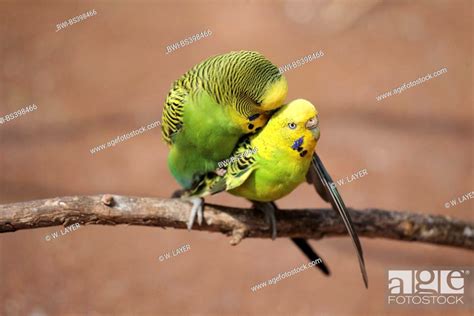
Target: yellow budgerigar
283,158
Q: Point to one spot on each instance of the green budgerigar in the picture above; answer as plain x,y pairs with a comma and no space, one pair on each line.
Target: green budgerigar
211,107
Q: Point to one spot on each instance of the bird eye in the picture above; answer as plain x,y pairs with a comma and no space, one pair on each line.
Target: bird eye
292,125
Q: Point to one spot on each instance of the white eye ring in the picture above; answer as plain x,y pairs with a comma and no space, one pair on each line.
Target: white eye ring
292,125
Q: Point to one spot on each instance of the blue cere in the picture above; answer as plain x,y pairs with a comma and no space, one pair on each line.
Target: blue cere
297,143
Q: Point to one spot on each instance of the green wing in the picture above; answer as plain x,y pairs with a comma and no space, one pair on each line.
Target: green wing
237,169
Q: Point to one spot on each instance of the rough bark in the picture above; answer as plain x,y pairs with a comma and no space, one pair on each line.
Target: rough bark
236,222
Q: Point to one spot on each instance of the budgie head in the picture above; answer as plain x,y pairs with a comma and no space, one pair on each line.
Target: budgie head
255,87
256,78
296,126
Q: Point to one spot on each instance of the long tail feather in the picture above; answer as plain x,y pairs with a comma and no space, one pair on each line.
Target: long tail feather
324,185
309,252
306,248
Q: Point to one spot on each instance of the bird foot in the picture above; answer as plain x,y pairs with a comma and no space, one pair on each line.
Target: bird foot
196,210
270,218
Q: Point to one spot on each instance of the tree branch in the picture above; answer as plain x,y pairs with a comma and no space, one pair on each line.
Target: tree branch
236,222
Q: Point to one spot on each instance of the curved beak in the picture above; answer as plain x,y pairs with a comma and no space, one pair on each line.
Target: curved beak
313,125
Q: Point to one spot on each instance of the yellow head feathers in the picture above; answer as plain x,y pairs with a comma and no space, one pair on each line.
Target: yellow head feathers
299,117
275,95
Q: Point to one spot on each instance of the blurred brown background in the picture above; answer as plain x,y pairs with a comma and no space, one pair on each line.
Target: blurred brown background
108,75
